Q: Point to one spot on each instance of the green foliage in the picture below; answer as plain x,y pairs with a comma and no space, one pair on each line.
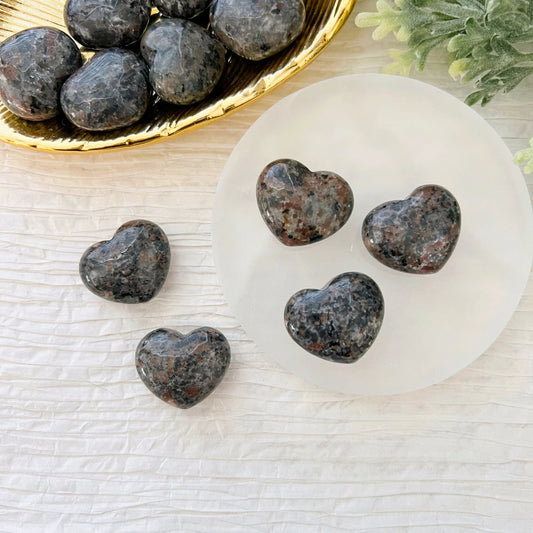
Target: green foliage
486,40
526,156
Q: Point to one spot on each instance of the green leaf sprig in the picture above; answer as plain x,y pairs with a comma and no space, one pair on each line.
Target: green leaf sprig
490,42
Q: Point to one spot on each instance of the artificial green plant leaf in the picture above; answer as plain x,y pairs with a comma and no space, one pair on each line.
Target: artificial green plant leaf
487,41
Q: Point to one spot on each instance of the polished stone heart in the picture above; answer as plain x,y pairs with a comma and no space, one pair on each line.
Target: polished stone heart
340,322
299,206
415,235
182,369
110,91
259,29
186,62
129,268
106,23
34,64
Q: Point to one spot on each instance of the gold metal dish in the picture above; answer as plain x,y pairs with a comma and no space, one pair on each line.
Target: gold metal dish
243,81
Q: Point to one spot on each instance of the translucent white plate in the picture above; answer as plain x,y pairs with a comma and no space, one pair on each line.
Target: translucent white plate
386,136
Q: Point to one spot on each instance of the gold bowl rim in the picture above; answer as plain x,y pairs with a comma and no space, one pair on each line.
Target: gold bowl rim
218,109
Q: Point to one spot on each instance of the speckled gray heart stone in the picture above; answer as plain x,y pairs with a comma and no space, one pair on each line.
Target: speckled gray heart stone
300,206
182,369
257,29
131,267
186,62
106,23
416,235
186,9
34,64
340,322
110,91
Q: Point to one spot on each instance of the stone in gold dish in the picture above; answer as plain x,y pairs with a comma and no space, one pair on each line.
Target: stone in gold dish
242,82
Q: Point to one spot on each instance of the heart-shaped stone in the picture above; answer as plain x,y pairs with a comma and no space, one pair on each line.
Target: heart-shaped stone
340,322
299,206
415,235
129,268
259,29
110,91
186,62
182,369
106,23
34,64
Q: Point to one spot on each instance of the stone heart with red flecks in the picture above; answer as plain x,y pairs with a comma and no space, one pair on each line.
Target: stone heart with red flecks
339,322
182,369
415,235
129,268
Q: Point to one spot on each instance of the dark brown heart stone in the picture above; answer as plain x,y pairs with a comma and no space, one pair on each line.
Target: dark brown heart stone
129,268
257,29
185,60
340,322
182,369
106,23
34,64
110,91
300,206
415,235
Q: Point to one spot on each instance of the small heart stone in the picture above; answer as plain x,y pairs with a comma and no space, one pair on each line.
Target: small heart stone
415,235
129,268
258,29
34,64
182,369
340,322
106,23
110,91
186,61
299,206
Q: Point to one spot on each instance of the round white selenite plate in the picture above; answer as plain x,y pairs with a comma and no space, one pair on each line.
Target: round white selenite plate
385,135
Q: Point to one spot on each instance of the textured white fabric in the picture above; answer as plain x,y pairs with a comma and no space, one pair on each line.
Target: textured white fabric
85,447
